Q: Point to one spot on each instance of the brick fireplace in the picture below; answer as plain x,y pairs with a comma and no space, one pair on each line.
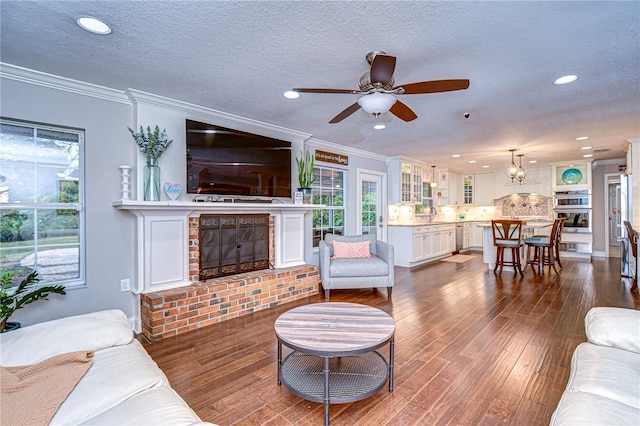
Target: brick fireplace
209,301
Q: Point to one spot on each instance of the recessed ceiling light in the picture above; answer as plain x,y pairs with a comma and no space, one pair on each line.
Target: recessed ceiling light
472,161
379,126
582,138
485,167
456,155
566,79
290,94
586,147
93,25
588,155
533,161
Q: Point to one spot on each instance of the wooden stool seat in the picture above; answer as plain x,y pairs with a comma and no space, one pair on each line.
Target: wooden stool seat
507,234
545,249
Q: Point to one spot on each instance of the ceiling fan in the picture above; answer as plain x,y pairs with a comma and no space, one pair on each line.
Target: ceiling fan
378,88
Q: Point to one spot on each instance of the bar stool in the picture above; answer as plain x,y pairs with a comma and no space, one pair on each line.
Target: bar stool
507,234
632,234
546,249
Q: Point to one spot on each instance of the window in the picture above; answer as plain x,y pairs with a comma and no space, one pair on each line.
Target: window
327,189
41,202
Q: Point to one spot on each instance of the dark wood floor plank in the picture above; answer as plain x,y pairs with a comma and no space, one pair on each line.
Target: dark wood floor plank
471,348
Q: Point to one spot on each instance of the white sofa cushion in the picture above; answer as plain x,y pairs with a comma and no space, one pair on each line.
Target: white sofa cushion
614,327
168,409
582,409
607,372
33,344
116,375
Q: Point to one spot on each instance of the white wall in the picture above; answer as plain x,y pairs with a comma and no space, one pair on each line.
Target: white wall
108,144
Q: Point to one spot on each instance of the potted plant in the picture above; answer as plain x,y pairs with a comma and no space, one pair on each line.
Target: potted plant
152,145
306,178
12,299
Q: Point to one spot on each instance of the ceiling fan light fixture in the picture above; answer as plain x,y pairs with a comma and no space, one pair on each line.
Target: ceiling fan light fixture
377,103
291,94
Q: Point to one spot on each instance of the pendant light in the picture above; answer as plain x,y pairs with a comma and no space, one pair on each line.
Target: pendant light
520,174
512,170
433,183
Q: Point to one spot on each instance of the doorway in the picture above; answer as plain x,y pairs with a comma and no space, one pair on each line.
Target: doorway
614,221
372,217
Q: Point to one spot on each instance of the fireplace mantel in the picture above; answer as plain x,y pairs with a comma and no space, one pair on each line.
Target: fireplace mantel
162,236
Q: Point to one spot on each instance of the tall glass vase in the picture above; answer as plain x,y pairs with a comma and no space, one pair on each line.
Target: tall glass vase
151,180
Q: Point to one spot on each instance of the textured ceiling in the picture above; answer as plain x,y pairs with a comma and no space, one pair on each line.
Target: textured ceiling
239,57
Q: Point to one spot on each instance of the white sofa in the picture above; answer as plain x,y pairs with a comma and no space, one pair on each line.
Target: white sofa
123,386
604,384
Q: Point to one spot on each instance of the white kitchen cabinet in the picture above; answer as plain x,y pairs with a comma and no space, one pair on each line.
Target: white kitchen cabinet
428,242
477,231
405,177
468,189
484,189
449,190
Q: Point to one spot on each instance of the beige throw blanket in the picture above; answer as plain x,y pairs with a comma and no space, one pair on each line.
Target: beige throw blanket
31,394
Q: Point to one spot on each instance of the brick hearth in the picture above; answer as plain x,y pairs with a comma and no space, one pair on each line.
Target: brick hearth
171,312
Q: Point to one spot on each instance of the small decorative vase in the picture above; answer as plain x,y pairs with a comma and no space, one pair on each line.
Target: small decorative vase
151,180
306,195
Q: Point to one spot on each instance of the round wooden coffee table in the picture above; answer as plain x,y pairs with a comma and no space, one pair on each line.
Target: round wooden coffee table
334,358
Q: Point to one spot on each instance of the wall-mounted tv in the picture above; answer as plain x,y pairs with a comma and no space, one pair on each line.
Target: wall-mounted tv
223,161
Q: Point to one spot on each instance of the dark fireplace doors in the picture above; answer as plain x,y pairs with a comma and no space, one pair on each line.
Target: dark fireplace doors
232,244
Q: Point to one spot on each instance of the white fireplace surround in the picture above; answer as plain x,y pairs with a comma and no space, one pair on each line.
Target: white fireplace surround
162,240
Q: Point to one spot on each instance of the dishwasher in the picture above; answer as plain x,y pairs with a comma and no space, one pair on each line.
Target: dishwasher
462,236
459,236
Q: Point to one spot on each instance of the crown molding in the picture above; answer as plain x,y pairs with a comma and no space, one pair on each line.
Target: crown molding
319,143
25,75
213,116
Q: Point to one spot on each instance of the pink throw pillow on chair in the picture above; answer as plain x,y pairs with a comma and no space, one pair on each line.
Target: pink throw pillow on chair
342,250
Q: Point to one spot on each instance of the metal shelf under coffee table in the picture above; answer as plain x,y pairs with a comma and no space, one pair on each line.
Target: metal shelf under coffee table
334,358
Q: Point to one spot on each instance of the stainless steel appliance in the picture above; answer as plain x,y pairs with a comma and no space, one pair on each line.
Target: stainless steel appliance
575,220
572,199
459,236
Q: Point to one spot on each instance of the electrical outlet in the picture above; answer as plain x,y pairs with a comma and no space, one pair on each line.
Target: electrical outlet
125,285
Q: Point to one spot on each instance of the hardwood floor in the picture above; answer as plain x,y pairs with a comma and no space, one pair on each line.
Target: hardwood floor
471,348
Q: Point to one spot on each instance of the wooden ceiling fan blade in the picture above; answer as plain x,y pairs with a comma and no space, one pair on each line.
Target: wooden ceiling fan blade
382,69
313,90
403,112
344,114
433,86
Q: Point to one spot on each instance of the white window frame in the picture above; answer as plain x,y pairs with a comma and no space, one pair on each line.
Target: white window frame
314,191
80,280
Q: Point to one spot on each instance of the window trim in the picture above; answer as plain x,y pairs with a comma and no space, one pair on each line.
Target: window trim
80,207
343,208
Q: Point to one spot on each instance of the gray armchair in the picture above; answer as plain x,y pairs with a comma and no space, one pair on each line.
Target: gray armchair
370,272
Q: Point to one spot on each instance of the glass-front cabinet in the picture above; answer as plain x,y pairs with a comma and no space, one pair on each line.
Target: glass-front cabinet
405,177
467,189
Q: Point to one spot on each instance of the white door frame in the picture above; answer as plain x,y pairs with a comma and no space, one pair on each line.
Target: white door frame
383,200
606,210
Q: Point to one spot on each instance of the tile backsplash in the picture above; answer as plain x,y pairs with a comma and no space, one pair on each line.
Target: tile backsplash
516,205
525,205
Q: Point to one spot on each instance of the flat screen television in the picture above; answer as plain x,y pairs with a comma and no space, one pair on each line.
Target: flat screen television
223,161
